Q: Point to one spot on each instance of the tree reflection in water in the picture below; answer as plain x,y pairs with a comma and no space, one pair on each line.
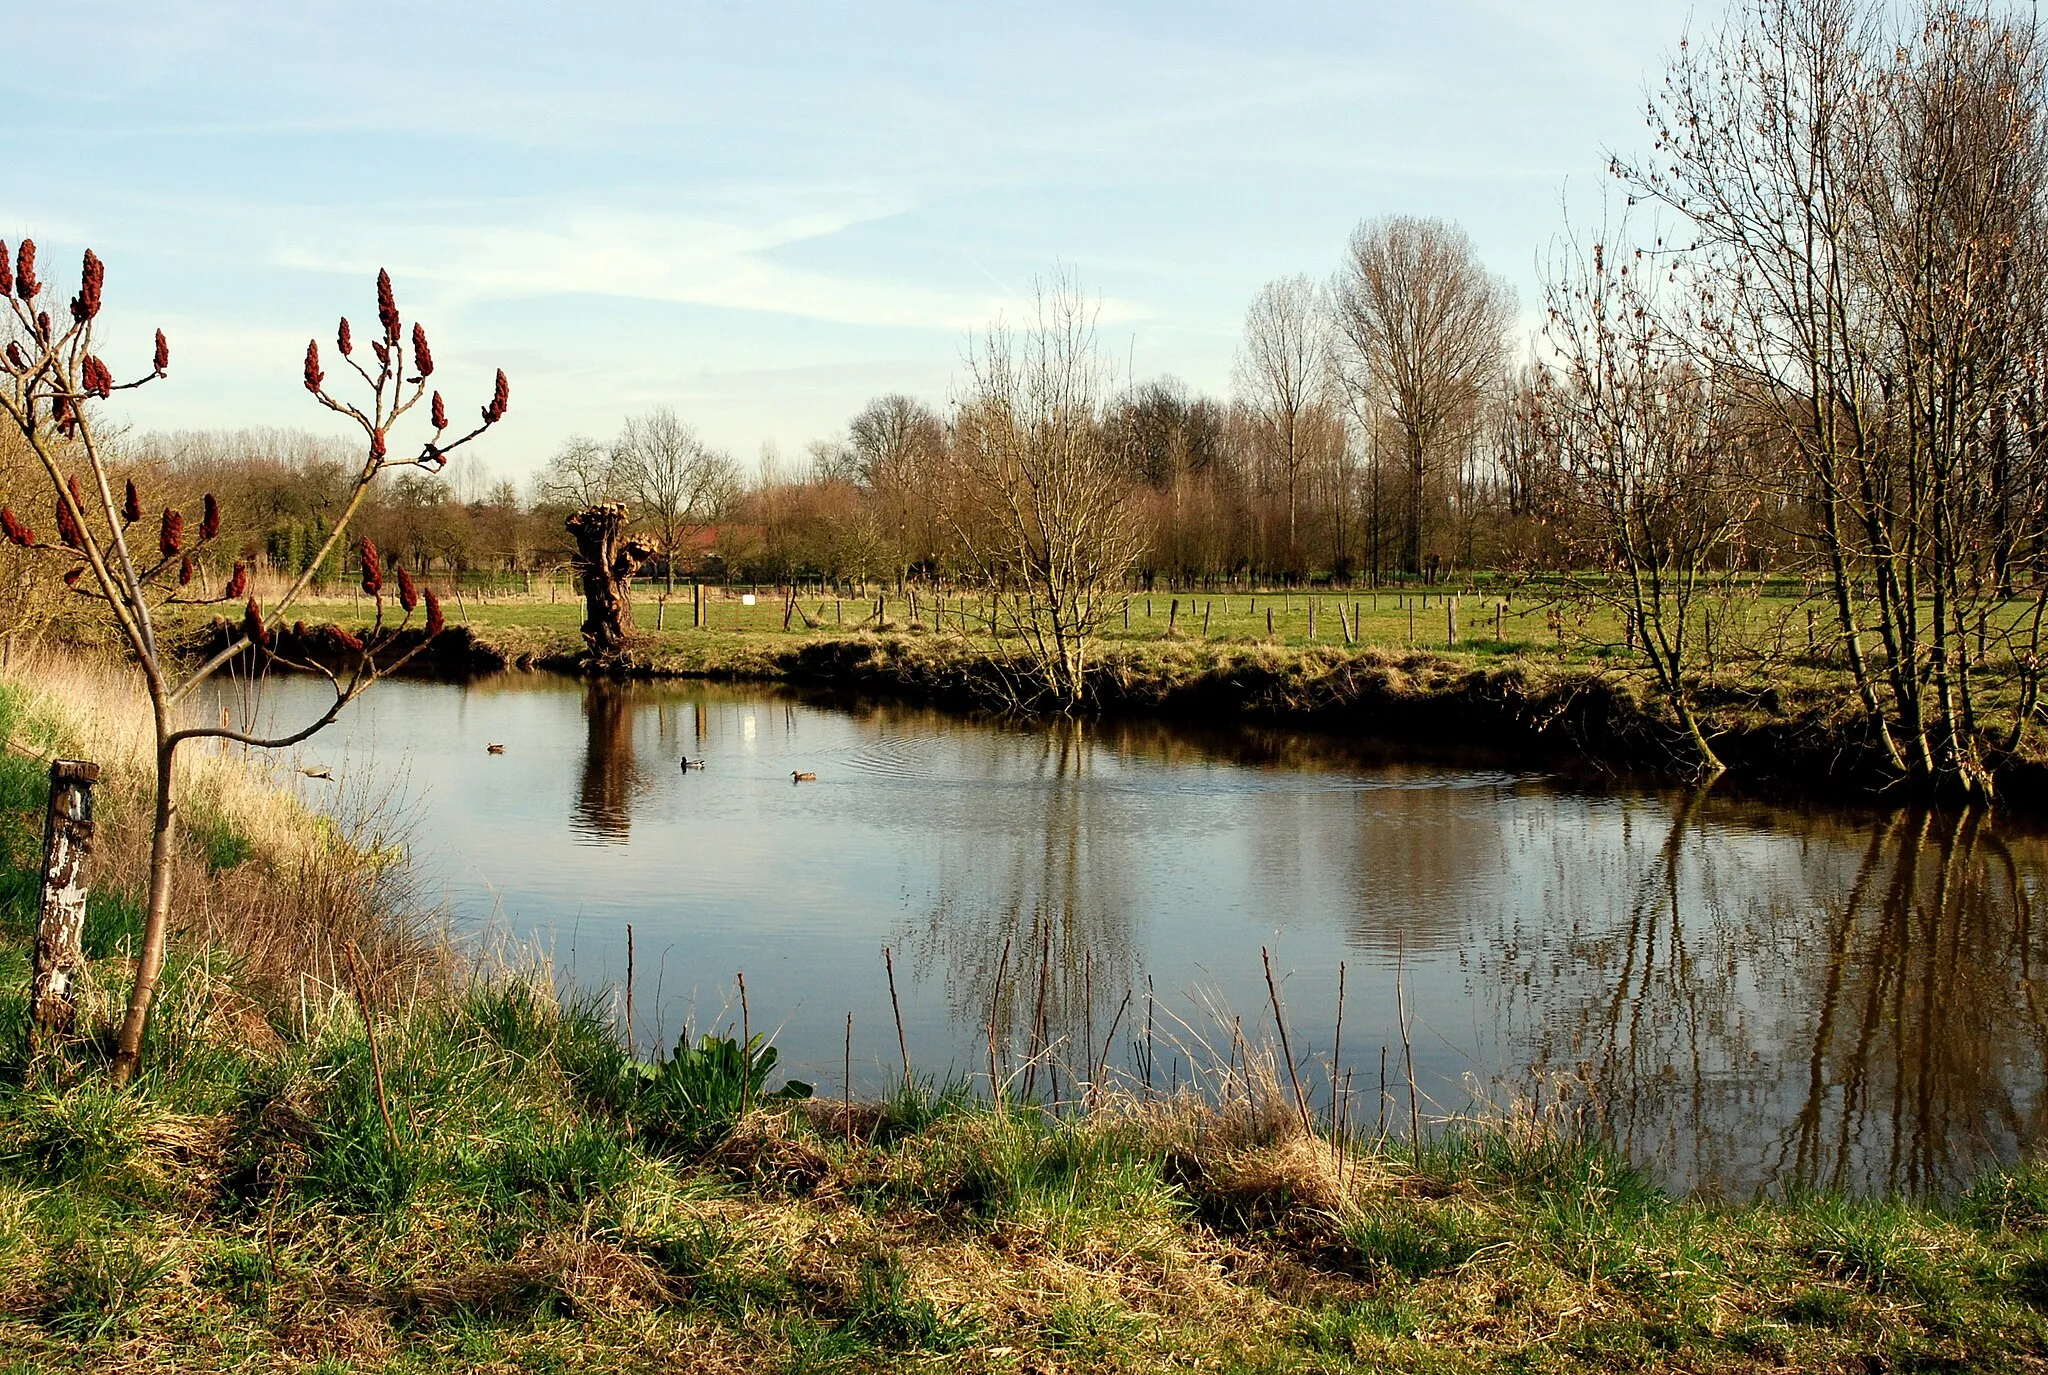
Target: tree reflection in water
1876,1028
610,776
1047,908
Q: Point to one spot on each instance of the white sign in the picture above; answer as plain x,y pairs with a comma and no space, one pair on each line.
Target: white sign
747,599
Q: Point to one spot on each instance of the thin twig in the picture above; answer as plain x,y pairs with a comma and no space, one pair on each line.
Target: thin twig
1337,1101
746,1047
1102,1060
1037,1046
1407,1046
902,1046
1148,1033
995,1002
355,973
1280,1019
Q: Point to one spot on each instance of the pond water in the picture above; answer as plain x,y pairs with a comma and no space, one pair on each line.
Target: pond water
1753,997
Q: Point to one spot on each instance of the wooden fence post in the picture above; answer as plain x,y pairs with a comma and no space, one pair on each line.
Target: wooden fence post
1451,621
1172,616
59,961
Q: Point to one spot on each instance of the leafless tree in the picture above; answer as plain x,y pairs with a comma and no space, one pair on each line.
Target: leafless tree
679,481
1866,195
1645,477
51,384
1048,522
581,473
1422,326
1283,375
899,455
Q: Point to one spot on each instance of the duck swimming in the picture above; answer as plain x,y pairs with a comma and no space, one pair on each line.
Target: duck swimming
798,777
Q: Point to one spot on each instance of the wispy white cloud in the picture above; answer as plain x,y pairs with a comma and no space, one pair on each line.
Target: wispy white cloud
686,257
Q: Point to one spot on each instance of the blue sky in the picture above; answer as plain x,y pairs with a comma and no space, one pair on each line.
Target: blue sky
763,214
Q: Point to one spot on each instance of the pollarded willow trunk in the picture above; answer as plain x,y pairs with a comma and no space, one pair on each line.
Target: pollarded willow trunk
606,560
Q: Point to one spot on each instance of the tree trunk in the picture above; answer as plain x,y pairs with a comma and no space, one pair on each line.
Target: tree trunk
606,561
149,961
1411,546
60,921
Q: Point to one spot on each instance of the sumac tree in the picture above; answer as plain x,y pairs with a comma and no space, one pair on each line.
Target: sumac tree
133,563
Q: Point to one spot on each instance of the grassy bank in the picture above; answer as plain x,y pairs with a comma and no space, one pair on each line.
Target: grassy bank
1777,719
522,1195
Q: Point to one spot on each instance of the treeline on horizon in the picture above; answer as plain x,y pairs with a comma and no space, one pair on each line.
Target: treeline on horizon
1298,476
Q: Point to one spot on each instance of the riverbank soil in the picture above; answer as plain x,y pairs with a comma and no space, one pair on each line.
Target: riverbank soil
442,1166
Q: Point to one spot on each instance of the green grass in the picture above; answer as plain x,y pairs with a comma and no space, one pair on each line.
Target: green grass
1386,619
240,1208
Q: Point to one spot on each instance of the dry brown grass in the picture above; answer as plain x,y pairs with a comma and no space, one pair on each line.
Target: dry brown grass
262,881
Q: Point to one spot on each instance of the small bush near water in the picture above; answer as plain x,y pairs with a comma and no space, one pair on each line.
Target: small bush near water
539,1200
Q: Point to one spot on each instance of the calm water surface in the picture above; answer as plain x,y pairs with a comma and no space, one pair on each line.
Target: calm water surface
1757,996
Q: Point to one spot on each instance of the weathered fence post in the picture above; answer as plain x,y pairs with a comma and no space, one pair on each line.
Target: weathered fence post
1451,621
1172,616
59,959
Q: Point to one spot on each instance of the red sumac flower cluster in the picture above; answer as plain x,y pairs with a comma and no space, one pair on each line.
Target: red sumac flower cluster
171,539
97,377
16,532
25,284
91,279
501,400
387,306
67,523
373,571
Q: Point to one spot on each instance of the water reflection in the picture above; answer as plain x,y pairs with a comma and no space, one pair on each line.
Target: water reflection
611,775
1033,939
1875,1026
1759,996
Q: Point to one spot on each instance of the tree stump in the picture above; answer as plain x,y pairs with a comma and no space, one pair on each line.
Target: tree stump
606,560
59,961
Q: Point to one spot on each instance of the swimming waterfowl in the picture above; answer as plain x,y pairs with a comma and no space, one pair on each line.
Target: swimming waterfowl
798,777
494,748
693,763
